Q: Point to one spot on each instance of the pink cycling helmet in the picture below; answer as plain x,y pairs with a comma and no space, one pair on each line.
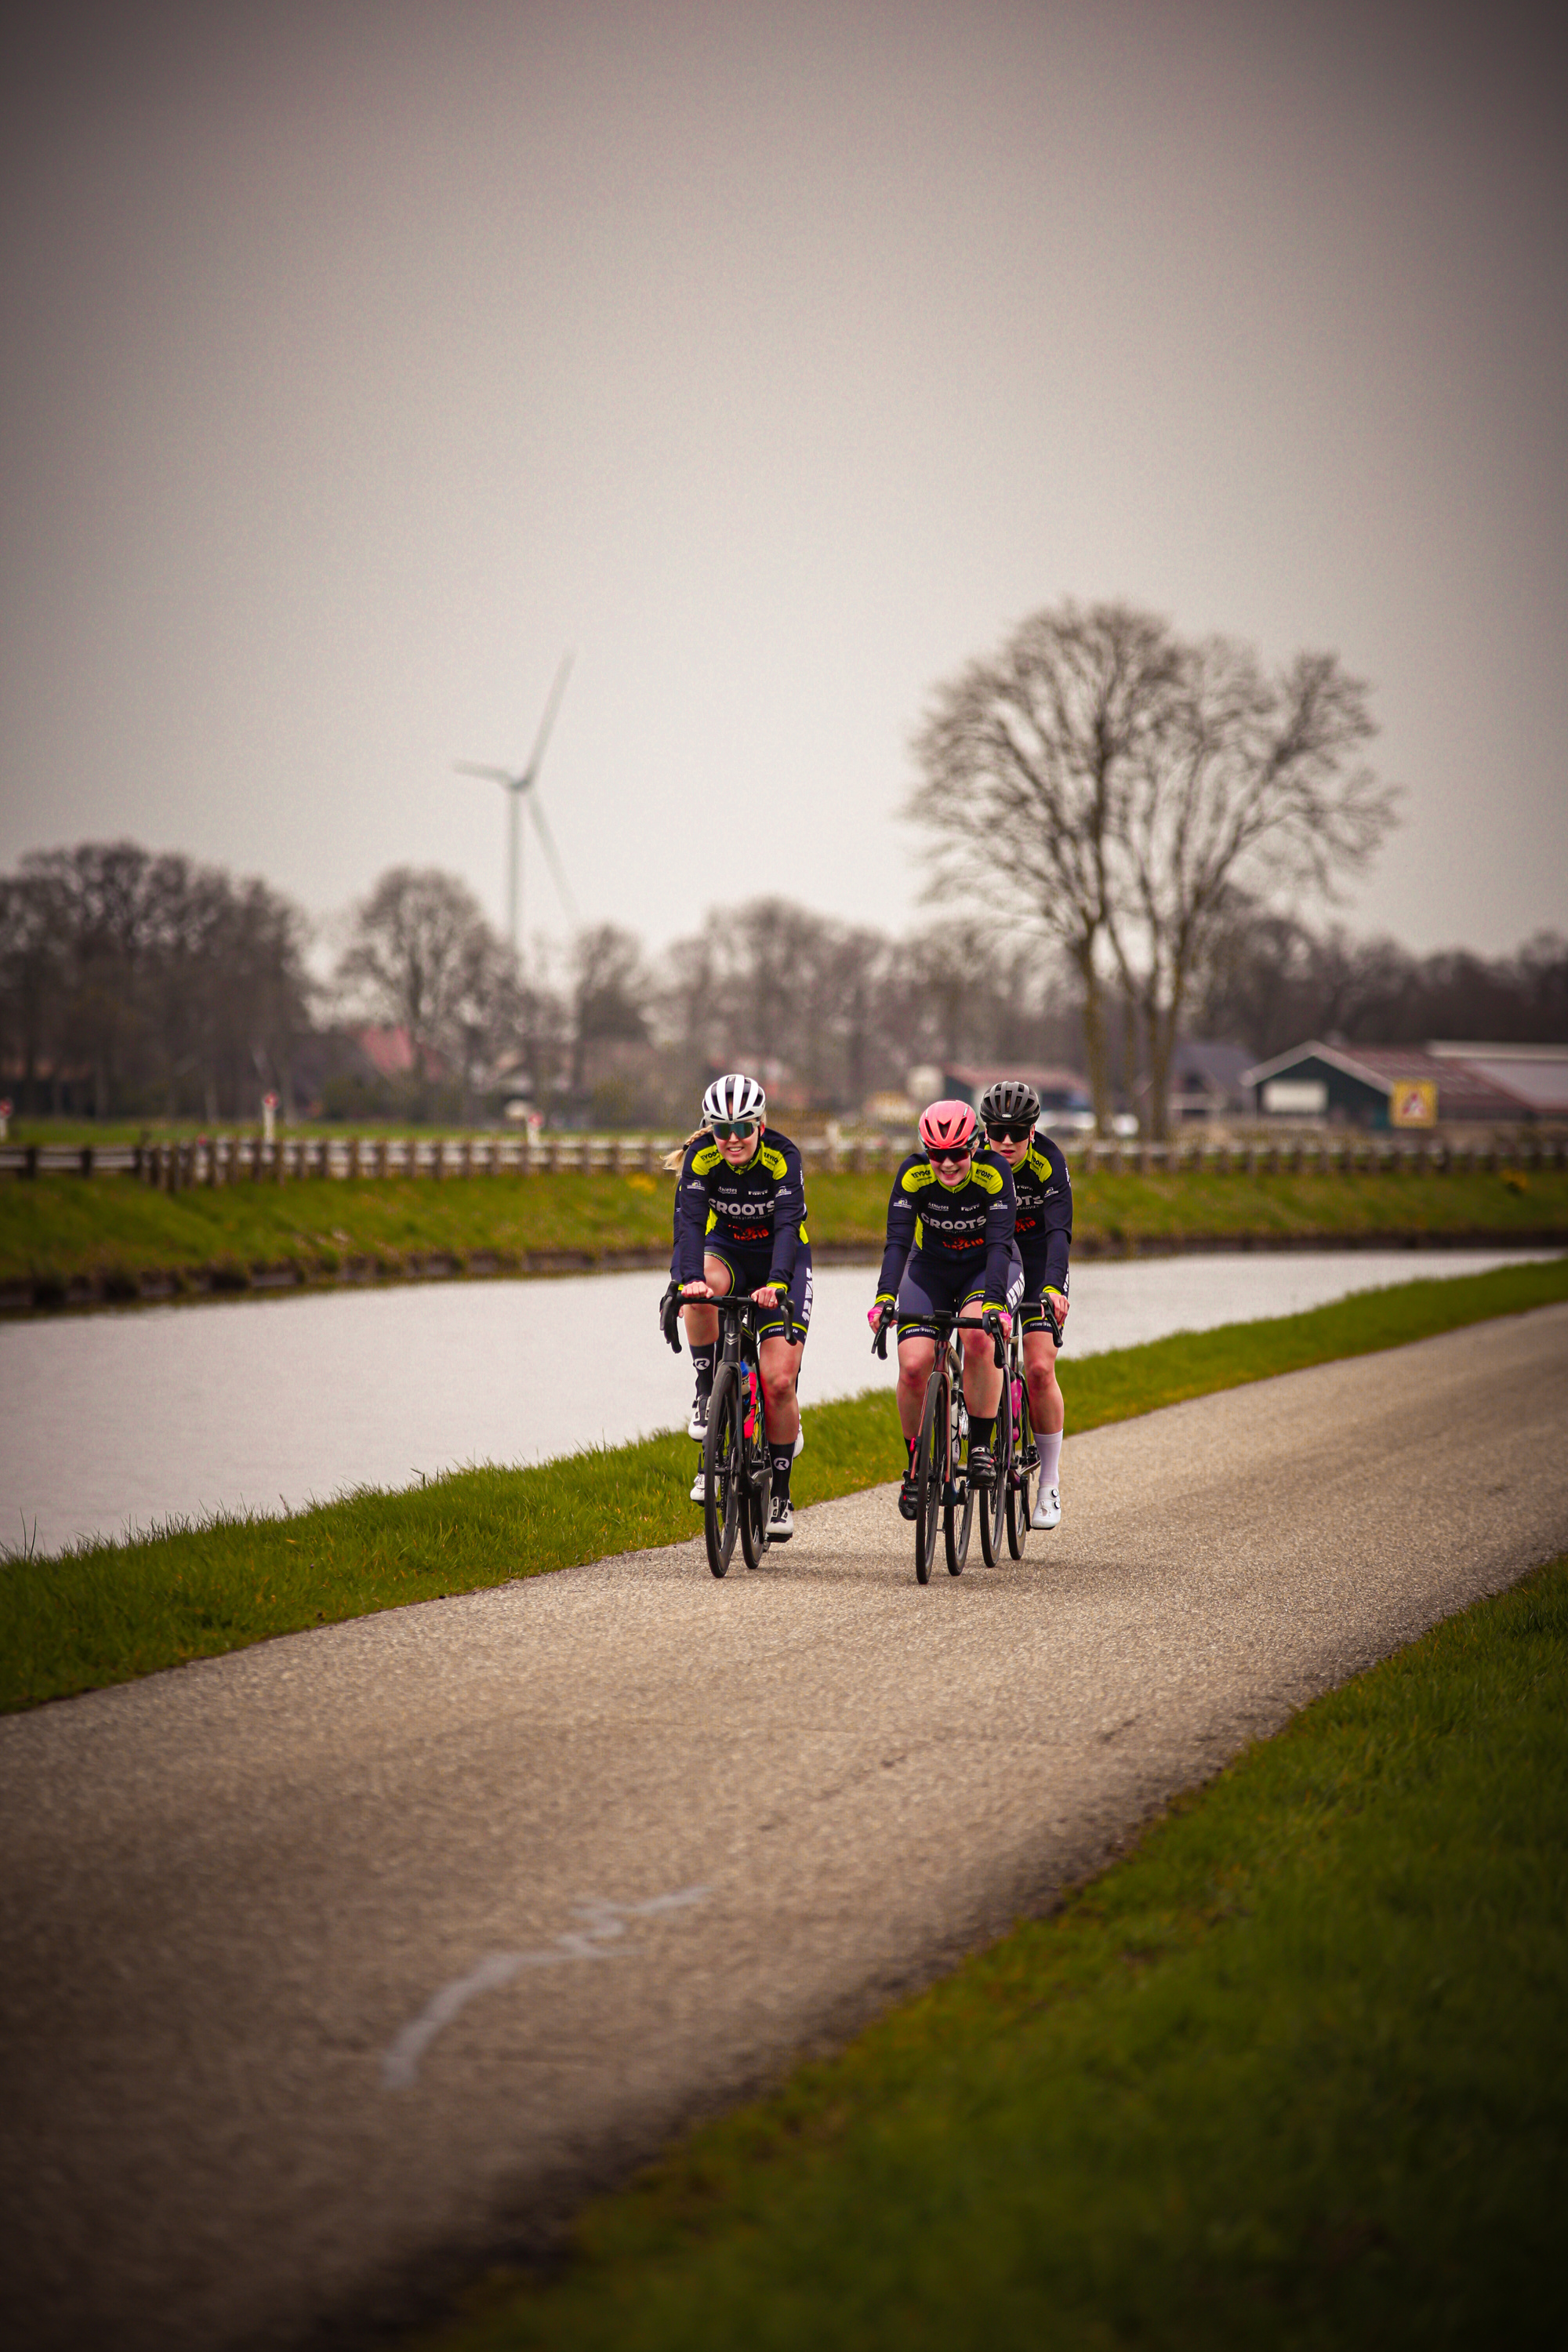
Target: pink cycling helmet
947,1126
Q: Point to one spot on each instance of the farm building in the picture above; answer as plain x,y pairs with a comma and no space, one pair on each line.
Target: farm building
1413,1086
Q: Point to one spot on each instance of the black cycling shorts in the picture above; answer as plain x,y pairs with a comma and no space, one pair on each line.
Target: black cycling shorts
749,1269
930,1288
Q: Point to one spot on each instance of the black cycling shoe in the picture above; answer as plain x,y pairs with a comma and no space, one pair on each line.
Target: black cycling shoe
982,1466
910,1496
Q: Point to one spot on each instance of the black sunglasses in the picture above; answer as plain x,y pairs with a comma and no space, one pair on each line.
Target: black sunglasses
1017,1130
725,1129
960,1152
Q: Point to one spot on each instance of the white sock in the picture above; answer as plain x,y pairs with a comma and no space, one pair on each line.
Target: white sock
1050,1458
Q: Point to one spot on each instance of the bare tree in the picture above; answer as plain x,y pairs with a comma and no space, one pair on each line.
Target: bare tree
34,955
610,993
1243,781
1126,787
1026,761
423,957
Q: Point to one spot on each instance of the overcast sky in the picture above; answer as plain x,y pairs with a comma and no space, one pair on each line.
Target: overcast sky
362,359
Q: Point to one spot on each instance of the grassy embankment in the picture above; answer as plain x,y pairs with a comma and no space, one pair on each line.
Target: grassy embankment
1293,2073
113,1233
108,1613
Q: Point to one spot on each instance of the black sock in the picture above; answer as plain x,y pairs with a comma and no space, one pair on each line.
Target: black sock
783,1465
702,1363
911,1443
982,1427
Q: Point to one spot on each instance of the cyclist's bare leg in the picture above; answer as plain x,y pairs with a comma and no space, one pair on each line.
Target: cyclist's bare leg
702,1323
981,1381
1047,1409
779,1361
916,1356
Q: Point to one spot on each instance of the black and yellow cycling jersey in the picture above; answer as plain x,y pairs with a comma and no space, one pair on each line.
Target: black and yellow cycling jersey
745,1212
1045,1215
969,1224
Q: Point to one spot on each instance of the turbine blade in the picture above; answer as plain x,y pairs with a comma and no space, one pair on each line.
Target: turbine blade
548,721
552,858
495,775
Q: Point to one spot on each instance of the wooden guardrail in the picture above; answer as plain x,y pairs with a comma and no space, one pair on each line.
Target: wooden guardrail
240,1159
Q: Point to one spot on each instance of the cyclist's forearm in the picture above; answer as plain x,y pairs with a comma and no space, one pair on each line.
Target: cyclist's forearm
787,1250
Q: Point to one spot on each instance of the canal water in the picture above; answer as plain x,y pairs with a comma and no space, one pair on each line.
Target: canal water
115,1421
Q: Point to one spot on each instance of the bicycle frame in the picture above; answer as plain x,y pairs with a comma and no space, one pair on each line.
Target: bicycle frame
736,1460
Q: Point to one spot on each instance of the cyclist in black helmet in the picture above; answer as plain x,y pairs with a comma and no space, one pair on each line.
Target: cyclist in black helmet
1008,1112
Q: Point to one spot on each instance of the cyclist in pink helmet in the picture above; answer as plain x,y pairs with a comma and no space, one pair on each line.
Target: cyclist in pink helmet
951,1250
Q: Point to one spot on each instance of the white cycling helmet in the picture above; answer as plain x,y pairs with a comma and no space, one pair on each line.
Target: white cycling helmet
733,1097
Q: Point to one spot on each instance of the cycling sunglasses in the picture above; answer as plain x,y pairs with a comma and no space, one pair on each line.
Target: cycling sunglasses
951,1158
1017,1130
723,1129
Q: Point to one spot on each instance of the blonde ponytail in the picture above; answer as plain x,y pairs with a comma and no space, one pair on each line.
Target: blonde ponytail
673,1160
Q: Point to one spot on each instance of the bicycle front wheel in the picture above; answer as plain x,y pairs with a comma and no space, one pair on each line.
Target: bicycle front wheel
958,1516
1021,1477
756,1478
721,1468
930,1473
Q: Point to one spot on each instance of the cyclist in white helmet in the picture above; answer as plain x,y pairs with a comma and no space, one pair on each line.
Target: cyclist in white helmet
740,1222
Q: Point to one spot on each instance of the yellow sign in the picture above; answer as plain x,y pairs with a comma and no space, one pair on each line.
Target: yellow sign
1413,1103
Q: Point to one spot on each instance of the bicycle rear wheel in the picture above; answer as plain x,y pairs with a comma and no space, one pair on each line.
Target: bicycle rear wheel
1021,1482
722,1470
958,1515
756,1474
931,1474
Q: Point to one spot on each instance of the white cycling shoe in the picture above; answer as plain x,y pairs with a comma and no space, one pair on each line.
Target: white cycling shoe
1048,1509
699,1487
698,1425
780,1520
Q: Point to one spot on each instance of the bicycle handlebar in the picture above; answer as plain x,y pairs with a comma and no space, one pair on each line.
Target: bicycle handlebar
990,1321
675,1298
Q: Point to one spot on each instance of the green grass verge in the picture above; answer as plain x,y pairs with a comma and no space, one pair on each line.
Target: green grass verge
107,1613
60,1229
1295,2074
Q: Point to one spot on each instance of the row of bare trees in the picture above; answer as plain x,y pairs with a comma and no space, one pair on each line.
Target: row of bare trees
131,984
147,982
1124,829
135,985
835,1010
1131,791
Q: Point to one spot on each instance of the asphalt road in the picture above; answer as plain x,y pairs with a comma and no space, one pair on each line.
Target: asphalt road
331,1967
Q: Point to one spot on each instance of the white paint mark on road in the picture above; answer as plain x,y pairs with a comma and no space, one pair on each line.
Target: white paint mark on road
605,1924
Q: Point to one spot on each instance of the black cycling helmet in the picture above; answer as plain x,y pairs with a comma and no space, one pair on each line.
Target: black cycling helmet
1009,1102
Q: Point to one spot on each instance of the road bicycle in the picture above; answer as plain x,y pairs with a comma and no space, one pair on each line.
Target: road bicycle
942,1492
737,1465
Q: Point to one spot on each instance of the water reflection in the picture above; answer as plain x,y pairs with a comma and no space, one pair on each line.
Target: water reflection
115,1421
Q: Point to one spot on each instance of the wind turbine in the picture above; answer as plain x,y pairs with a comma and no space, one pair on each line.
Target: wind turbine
519,785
